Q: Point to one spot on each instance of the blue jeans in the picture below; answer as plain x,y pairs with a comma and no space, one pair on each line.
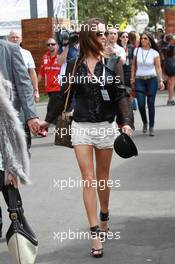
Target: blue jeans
147,88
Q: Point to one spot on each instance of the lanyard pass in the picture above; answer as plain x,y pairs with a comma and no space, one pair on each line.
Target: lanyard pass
105,95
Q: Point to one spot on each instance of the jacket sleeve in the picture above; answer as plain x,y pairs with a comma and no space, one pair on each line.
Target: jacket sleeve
13,146
56,103
23,84
116,67
122,102
55,107
124,111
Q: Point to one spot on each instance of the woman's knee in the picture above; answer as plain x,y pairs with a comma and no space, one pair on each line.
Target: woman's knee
141,99
141,106
89,180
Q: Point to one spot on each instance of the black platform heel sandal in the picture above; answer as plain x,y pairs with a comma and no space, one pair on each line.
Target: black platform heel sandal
95,233
103,218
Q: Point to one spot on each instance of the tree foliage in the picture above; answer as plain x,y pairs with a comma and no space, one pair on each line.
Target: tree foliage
111,11
117,11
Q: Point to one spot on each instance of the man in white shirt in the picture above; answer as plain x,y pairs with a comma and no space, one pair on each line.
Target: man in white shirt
112,47
16,38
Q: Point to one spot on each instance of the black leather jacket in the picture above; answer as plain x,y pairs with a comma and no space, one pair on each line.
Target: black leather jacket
89,104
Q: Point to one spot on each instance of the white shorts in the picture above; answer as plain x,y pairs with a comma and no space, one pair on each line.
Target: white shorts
101,135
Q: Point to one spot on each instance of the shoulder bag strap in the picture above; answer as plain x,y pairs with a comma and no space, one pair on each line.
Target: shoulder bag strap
136,59
69,86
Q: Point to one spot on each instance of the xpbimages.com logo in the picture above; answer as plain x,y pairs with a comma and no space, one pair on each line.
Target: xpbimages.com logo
85,27
82,131
78,79
63,184
84,235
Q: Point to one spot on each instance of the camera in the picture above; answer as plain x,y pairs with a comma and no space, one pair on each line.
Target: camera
64,37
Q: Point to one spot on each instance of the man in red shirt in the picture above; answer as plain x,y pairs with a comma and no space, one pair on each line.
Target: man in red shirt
50,69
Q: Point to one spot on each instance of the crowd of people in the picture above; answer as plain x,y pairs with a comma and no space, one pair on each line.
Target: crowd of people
99,99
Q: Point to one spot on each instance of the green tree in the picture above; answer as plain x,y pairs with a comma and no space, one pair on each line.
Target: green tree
155,16
117,11
111,11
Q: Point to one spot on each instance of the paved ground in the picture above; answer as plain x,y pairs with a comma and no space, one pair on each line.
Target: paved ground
142,209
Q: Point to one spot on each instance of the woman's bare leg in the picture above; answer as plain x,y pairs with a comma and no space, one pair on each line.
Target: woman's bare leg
171,84
103,161
84,155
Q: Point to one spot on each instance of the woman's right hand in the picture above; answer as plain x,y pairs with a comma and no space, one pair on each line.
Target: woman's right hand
44,124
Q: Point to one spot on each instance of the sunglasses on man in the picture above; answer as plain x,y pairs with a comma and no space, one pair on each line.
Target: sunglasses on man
51,44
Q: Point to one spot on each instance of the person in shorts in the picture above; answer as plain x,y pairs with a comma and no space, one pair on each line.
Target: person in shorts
100,98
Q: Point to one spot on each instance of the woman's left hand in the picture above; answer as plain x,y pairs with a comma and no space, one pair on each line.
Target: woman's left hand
127,130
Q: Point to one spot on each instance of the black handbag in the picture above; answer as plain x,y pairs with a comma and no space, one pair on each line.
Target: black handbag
21,240
62,131
63,125
170,67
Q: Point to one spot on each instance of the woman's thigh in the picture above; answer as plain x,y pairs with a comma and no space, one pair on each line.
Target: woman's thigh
103,161
171,81
141,92
152,86
84,155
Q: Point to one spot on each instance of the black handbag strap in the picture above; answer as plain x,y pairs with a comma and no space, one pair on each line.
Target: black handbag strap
68,90
15,202
136,60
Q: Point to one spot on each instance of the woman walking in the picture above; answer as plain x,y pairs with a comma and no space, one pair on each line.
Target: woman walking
146,73
99,98
14,160
171,74
170,71
123,41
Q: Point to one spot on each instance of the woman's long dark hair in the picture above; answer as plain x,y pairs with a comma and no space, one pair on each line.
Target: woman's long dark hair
151,39
88,39
120,34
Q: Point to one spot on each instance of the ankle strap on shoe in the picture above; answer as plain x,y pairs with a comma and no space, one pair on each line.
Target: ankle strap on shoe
104,216
95,230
